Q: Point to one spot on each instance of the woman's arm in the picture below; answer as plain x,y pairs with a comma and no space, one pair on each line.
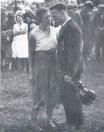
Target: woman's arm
25,30
32,42
15,32
19,32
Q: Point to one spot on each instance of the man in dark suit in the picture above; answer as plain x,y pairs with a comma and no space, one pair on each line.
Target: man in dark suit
70,64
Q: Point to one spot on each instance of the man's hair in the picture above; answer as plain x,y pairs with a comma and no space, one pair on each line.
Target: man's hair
58,6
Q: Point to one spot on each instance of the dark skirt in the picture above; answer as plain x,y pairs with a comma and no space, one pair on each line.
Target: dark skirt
44,78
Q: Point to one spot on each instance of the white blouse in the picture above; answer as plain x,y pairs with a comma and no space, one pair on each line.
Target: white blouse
45,42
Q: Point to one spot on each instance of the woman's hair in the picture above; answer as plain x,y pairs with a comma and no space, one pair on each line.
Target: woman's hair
40,12
19,14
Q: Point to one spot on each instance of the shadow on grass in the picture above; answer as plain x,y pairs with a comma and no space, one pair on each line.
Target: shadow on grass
27,129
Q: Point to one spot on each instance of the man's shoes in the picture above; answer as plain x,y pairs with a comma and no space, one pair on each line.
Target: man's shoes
50,124
36,128
69,128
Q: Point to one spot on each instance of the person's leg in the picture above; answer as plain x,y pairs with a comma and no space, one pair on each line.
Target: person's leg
102,47
97,47
25,60
10,63
73,107
35,109
71,102
19,61
50,109
34,114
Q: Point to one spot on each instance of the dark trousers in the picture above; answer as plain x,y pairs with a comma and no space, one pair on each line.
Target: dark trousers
99,45
69,99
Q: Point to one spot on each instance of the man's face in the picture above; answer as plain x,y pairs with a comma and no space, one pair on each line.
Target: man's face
101,11
27,19
57,16
88,8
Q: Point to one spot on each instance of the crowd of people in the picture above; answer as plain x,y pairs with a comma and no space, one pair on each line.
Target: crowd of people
53,44
89,18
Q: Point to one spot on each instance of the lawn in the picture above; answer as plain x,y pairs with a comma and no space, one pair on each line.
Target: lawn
15,101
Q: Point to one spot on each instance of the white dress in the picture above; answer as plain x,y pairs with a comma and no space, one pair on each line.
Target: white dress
20,43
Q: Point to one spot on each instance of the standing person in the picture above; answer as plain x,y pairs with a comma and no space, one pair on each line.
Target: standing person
20,42
28,16
42,62
11,21
3,28
87,28
70,64
75,15
98,33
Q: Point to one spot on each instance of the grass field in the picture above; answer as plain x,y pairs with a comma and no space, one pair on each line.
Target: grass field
15,101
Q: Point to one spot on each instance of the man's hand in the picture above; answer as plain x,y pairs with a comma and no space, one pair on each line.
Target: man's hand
67,78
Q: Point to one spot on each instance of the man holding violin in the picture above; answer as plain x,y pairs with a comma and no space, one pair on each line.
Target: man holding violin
70,64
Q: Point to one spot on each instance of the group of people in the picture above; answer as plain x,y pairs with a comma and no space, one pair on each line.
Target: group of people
55,46
46,65
89,18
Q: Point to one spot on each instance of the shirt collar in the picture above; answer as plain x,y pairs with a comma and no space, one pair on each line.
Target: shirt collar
66,21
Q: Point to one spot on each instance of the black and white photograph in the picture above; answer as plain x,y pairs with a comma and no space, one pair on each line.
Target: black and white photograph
52,66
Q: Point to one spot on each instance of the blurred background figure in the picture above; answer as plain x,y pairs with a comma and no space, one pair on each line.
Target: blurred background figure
11,21
28,19
33,7
98,33
87,28
6,41
3,28
80,7
74,14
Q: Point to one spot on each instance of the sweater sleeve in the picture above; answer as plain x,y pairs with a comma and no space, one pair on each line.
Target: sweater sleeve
75,49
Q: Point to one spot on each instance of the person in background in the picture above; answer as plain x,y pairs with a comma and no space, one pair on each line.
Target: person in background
98,33
87,28
6,41
70,65
42,65
3,28
34,7
11,21
28,16
75,15
20,42
80,7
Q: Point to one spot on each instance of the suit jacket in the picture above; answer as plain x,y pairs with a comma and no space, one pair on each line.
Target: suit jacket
70,46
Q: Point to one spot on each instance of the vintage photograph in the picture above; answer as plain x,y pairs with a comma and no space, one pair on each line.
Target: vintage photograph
52,66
